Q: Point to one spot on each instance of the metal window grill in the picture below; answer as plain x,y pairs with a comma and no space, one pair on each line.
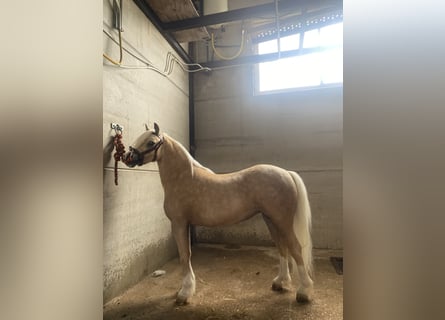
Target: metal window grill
300,26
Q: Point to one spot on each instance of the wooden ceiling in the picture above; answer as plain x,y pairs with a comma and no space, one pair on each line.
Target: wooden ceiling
175,10
180,22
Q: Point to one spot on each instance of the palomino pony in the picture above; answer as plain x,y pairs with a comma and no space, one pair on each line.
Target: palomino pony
196,195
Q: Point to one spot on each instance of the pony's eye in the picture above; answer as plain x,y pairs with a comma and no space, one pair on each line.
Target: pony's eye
150,143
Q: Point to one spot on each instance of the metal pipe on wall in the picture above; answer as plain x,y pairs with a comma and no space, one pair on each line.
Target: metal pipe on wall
192,145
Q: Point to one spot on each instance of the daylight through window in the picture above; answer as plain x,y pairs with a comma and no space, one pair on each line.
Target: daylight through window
323,67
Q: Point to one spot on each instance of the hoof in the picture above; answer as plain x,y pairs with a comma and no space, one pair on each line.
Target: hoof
302,298
182,297
277,287
181,301
304,295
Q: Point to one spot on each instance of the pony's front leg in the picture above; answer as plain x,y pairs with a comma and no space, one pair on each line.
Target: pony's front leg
182,237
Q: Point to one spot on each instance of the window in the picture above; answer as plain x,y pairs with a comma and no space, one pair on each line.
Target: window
322,66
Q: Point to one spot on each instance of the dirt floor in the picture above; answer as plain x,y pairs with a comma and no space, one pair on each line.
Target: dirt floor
232,282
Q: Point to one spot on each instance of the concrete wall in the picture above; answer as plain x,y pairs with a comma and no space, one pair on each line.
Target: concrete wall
300,131
137,236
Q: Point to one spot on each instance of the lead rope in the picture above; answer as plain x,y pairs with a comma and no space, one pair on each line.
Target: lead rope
118,155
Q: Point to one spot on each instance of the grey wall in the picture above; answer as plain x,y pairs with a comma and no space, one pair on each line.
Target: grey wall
137,237
299,131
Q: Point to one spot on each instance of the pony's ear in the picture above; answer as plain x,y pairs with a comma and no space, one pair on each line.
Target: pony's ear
156,128
146,127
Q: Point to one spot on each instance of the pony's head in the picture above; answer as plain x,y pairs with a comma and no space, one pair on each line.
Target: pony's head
145,148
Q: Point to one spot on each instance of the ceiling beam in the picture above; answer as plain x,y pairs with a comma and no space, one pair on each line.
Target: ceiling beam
149,13
259,58
249,12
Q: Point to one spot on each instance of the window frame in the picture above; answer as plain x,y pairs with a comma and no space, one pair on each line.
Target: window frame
321,86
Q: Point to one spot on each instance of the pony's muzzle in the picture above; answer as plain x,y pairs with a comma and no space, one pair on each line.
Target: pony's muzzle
131,159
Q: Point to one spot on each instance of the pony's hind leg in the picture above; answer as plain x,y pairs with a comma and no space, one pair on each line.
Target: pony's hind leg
182,237
283,276
305,290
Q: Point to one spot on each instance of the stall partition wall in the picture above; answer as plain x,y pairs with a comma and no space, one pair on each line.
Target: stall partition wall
136,233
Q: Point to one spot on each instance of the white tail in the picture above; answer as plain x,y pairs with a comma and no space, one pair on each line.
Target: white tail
303,223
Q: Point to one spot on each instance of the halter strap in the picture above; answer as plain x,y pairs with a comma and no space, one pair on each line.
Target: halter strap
154,148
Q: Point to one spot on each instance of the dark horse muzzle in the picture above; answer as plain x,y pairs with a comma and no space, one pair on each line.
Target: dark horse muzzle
135,157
